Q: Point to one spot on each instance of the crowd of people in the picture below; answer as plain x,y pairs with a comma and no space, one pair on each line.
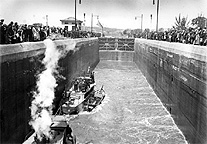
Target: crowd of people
195,36
15,33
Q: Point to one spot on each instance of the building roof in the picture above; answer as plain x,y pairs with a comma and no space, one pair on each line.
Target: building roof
71,19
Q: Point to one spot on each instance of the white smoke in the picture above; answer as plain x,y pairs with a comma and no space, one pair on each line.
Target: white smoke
41,107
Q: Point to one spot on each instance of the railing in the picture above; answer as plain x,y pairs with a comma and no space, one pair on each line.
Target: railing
122,44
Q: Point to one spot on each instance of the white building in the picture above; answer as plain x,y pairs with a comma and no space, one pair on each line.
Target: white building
69,23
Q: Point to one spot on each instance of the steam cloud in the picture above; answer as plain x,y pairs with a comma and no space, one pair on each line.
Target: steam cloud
41,106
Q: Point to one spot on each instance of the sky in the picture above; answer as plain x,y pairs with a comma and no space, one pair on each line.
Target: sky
112,13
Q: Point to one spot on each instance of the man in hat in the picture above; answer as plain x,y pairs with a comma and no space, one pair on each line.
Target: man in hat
10,33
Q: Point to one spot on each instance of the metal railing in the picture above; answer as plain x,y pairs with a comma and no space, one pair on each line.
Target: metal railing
122,44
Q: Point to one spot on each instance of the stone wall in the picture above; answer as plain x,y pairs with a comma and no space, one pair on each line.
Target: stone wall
19,65
177,73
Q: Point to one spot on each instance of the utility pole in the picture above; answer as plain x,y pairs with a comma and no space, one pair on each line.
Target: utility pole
84,15
75,15
158,3
150,22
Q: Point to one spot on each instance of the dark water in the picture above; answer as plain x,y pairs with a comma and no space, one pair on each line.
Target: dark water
131,113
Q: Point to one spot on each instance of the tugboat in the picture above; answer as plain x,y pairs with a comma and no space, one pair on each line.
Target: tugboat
82,89
61,133
75,100
95,100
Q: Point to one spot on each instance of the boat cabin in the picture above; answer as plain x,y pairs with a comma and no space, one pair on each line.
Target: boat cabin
59,132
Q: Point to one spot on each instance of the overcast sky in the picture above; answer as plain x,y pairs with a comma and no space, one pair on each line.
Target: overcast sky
112,13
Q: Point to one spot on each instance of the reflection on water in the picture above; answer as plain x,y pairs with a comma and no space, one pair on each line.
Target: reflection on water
130,113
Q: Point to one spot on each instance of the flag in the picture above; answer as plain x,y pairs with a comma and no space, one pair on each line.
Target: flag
153,2
99,24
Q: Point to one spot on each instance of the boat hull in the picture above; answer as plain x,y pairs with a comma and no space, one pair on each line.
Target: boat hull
93,102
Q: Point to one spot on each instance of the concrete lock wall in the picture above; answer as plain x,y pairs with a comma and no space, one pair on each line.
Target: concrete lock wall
19,65
177,73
